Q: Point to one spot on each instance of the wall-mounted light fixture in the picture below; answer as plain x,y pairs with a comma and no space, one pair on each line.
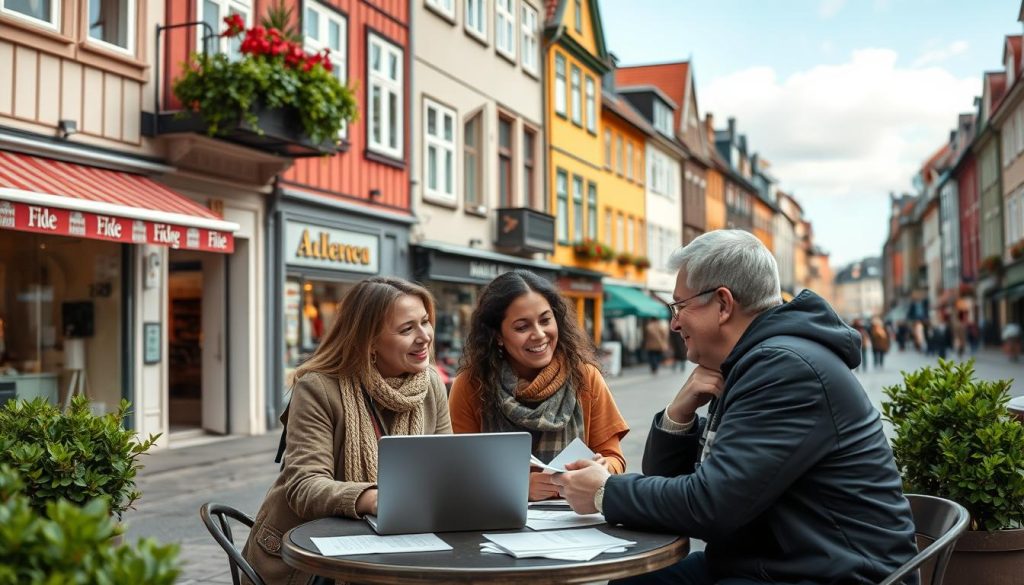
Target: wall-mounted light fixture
375,193
474,242
66,128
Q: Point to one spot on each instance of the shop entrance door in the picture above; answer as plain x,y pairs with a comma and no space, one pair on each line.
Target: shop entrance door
196,357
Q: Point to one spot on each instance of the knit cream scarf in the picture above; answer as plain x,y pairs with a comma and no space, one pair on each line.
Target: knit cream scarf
403,396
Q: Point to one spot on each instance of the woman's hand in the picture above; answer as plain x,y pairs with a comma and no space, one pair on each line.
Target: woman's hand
603,461
541,487
367,503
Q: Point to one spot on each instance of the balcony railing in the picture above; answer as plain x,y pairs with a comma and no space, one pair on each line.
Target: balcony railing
522,229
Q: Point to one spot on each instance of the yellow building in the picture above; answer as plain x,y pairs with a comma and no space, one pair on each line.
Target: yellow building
621,216
576,60
764,217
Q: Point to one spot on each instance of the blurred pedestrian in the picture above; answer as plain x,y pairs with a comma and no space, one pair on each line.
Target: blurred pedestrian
941,338
865,343
902,334
655,343
369,377
973,336
879,342
1011,340
678,353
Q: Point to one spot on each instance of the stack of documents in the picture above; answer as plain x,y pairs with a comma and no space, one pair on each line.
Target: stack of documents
555,519
574,451
566,545
336,546
550,505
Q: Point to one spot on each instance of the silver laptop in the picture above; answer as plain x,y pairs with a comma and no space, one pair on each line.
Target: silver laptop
446,483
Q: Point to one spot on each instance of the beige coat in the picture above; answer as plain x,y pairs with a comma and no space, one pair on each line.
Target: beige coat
307,488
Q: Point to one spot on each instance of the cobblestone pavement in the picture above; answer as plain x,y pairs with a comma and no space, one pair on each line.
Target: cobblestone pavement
237,471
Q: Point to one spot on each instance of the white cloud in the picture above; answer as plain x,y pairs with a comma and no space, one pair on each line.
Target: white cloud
941,54
829,8
841,137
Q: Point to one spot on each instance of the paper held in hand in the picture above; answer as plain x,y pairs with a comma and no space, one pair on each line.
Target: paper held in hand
574,451
581,544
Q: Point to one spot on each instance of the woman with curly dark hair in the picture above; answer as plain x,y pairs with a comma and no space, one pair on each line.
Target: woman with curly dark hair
528,366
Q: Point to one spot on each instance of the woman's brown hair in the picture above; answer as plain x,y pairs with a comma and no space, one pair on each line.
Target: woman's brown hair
481,360
360,318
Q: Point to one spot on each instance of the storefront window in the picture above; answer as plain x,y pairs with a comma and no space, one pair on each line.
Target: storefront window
455,304
60,318
310,308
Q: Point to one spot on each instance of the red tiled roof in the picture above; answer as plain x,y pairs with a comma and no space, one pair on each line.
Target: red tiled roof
670,78
935,161
550,9
996,81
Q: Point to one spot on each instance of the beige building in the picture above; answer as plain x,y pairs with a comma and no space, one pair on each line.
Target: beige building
119,229
858,290
478,158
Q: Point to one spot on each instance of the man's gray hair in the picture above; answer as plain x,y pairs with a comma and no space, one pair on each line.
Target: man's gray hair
734,259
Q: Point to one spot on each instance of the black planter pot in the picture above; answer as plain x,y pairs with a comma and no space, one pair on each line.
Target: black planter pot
277,130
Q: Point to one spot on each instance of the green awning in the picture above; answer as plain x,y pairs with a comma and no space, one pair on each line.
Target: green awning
622,301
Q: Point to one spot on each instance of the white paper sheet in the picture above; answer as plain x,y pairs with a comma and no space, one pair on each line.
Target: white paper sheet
574,451
334,546
533,544
586,554
557,519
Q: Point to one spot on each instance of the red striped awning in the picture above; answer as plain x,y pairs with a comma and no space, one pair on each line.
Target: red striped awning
49,196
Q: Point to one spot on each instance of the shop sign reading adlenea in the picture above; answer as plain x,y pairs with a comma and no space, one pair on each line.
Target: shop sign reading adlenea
331,249
65,222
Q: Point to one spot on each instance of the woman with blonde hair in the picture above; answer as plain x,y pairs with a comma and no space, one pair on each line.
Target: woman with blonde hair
370,376
528,366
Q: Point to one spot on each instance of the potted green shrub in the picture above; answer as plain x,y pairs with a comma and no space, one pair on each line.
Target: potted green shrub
954,438
73,455
642,262
624,258
71,544
273,84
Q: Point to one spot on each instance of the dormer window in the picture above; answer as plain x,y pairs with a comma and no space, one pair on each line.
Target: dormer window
662,118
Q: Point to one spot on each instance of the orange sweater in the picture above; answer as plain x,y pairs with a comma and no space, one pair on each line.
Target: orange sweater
603,426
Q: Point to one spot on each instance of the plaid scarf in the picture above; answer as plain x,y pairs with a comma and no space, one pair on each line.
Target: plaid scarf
546,407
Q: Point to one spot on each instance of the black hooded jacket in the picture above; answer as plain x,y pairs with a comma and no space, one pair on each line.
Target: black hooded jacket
799,484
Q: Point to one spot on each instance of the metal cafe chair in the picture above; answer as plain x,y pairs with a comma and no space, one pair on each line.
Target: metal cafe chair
220,529
939,520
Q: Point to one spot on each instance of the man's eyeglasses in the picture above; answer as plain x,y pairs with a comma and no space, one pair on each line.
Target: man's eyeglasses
677,306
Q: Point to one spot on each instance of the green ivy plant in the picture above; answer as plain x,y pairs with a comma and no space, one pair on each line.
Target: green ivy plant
72,544
955,439
73,455
272,72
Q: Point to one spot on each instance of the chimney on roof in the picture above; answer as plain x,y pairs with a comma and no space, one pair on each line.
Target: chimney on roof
732,129
709,127
743,143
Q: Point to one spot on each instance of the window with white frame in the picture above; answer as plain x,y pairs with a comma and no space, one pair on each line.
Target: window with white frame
591,210
629,160
384,108
445,7
1020,130
213,13
577,208
529,166
608,148
578,16
662,118
620,236
528,43
574,93
618,155
591,105
476,18
38,12
328,29
630,236
472,158
1007,140
438,151
112,22
505,27
560,84
562,206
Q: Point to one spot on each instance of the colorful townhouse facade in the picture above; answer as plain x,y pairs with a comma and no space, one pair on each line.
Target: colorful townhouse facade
479,185
575,59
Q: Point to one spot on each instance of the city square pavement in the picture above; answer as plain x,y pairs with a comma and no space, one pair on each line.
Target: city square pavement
237,471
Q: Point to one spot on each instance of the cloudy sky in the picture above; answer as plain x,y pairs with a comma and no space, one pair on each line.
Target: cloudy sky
845,98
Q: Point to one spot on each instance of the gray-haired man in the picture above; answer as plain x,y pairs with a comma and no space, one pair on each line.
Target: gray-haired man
789,478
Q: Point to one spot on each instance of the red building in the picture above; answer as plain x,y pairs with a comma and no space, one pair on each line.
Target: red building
328,216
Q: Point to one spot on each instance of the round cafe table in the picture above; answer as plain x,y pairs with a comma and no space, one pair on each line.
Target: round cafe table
466,564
